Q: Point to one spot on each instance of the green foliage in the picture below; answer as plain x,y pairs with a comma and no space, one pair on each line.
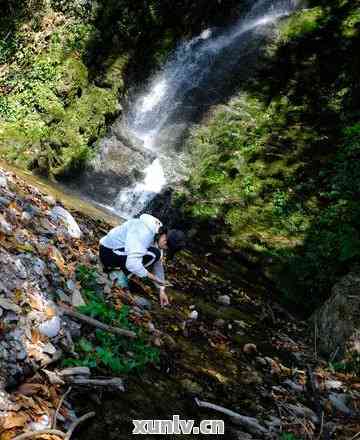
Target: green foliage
288,436
53,115
351,24
105,350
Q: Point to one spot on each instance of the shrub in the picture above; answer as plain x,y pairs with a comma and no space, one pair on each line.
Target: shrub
104,350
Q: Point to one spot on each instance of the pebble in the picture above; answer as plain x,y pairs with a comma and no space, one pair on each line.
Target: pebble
151,327
333,385
303,412
9,305
50,200
4,201
261,361
20,269
224,300
61,214
250,349
26,217
5,227
219,323
3,181
51,327
21,355
31,209
339,402
193,315
142,302
294,386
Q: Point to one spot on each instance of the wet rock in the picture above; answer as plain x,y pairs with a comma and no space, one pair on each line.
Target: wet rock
339,402
62,215
224,300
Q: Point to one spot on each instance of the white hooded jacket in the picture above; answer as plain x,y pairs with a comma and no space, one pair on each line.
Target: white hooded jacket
135,236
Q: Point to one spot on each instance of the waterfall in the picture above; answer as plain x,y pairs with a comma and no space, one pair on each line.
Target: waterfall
192,79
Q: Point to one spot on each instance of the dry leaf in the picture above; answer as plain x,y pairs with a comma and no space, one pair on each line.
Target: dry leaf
29,389
14,419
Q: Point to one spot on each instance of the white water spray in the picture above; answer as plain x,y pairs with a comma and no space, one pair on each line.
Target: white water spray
167,103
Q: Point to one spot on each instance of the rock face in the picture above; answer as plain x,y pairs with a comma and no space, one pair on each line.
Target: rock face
119,163
338,319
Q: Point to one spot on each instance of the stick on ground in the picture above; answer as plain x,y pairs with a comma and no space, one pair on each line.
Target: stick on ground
95,323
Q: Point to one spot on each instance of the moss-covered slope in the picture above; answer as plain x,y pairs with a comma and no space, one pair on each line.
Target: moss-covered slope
276,169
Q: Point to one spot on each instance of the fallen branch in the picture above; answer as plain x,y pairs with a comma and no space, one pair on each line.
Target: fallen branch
65,436
248,422
95,323
77,422
313,392
34,434
114,383
58,408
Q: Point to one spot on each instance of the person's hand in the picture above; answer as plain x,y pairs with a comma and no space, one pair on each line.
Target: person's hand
164,300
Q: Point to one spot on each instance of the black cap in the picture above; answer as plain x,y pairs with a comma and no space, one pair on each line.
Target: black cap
175,242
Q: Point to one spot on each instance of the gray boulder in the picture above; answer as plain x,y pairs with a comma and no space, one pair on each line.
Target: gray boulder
337,321
62,215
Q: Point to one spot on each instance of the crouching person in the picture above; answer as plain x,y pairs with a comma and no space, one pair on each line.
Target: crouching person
136,247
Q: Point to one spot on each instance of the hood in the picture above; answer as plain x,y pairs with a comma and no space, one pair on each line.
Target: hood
151,222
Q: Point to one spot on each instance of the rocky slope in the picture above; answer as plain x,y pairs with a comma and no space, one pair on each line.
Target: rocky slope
224,341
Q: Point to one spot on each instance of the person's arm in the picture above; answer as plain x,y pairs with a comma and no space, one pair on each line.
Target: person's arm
159,273
135,250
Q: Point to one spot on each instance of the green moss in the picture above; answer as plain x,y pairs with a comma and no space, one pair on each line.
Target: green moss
73,78
351,24
114,73
300,23
54,114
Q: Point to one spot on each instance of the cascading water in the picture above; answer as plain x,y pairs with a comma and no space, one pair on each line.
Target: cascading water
194,78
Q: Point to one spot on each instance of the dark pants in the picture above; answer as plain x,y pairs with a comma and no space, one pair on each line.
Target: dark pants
111,260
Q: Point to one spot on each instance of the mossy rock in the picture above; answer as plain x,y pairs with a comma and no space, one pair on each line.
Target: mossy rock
73,79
